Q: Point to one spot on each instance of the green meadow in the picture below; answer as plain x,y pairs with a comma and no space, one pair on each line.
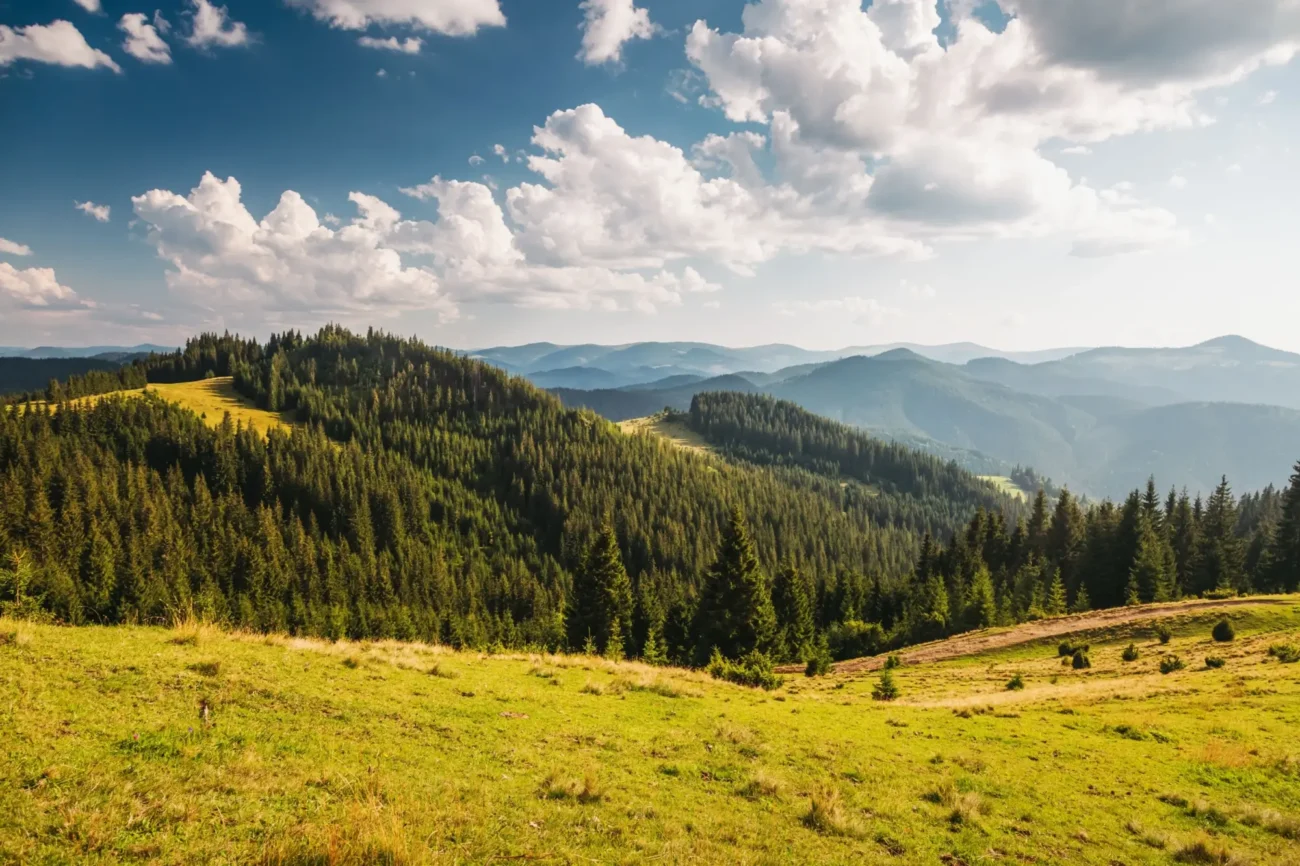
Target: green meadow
340,753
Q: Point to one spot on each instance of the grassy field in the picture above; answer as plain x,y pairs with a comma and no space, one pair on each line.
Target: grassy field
674,432
1006,485
208,398
319,753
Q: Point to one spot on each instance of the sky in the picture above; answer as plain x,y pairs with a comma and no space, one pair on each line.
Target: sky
1022,173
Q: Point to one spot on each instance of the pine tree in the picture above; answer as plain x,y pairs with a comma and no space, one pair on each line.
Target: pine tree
1221,558
1281,570
1149,578
735,615
793,604
602,601
981,601
1082,604
1056,598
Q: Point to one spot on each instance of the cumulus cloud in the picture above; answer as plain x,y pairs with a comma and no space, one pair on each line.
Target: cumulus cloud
59,43
410,45
88,5
947,136
288,260
142,39
607,25
99,212
13,248
450,17
35,288
213,28
500,151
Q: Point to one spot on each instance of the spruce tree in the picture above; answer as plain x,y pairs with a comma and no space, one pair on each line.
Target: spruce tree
1056,599
602,598
981,601
1149,579
1221,558
793,604
735,615
1281,570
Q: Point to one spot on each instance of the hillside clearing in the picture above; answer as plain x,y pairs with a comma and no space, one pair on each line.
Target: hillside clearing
210,399
355,753
674,432
1003,484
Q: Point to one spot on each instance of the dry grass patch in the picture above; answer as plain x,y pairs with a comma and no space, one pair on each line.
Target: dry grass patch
964,807
761,785
827,815
558,787
1205,852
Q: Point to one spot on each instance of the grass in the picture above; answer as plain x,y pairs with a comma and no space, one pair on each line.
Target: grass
354,753
675,433
1005,485
210,399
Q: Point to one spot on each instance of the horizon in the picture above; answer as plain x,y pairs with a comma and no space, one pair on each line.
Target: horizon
615,171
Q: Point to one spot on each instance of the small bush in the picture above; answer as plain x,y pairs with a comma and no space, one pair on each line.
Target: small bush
1169,664
885,689
753,670
1081,660
1016,683
1285,652
1214,662
1163,633
1223,631
894,661
1066,648
1219,594
819,663
1130,653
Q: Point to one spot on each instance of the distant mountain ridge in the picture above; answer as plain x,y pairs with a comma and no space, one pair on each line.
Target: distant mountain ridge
44,352
1094,420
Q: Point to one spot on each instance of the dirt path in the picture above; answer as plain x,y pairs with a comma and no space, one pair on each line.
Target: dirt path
982,641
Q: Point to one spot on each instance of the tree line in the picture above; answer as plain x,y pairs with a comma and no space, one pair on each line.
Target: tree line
425,495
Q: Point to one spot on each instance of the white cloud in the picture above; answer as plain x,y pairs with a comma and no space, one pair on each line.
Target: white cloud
957,128
864,311
1178,182
500,151
142,39
99,211
382,73
1268,97
410,45
13,248
1076,150
58,42
450,17
88,5
1235,168
607,25
922,292
220,254
475,159
213,27
34,288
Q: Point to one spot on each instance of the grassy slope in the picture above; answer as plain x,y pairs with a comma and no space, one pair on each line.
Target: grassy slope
208,398
1003,484
675,433
357,754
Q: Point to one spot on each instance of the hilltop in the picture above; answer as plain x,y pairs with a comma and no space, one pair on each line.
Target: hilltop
359,753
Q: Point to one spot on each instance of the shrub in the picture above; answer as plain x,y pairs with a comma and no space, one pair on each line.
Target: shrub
886,689
1016,683
1163,633
1223,631
1214,662
1067,648
853,639
1219,594
1081,660
894,661
1285,652
1130,653
753,670
1169,664
819,663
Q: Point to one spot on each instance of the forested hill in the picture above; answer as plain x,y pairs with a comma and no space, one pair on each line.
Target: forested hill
421,493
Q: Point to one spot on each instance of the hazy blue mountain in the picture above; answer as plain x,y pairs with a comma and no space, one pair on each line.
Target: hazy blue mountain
622,404
82,351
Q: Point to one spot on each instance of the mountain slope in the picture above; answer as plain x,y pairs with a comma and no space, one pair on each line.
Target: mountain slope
24,375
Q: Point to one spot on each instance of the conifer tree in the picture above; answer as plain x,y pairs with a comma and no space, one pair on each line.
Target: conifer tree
735,615
1221,557
1149,579
602,596
1056,597
793,604
981,601
1281,569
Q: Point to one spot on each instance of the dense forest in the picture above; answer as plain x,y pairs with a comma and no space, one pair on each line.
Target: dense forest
425,495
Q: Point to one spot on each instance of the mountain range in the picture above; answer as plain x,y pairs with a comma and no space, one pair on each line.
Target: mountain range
1094,419
111,353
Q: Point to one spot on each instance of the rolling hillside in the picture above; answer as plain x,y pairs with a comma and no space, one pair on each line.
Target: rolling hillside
25,375
384,752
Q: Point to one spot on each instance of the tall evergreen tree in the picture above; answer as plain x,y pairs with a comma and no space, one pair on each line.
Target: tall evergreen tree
735,614
793,605
1281,568
1149,577
1221,557
602,599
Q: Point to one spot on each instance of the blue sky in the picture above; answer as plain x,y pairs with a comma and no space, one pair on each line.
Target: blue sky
810,171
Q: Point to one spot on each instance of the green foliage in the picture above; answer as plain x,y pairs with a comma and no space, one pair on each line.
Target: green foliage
1016,683
602,596
735,615
1223,631
1067,648
854,639
1163,632
1130,653
1284,652
1171,663
892,662
1080,661
1214,662
819,663
754,669
885,688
